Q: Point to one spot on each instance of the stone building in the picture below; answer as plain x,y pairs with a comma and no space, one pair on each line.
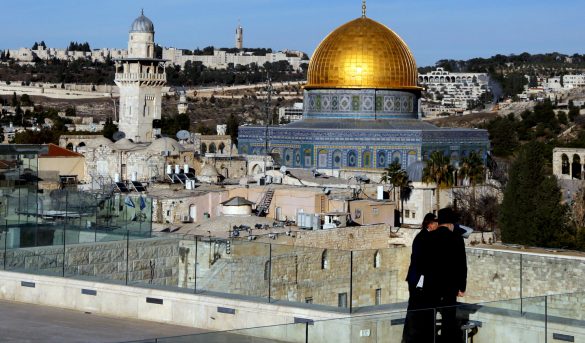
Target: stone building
140,78
569,163
361,109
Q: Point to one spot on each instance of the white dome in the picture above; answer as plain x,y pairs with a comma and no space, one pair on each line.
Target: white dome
166,144
124,144
98,141
209,171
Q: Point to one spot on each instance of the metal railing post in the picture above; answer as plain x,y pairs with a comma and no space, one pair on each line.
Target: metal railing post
127,254
545,318
269,273
307,332
350,281
521,295
195,269
5,244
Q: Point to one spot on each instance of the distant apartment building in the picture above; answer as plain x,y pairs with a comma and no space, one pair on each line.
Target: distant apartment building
452,92
43,53
290,114
564,82
222,59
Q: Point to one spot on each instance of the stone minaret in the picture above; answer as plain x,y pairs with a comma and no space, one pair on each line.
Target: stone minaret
140,78
240,37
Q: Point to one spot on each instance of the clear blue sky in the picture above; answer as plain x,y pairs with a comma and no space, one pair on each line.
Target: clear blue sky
457,29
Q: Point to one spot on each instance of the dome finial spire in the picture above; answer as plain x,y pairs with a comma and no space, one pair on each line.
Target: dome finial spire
142,11
363,8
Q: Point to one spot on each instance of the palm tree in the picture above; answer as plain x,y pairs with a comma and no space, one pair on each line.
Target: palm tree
391,175
472,168
398,178
438,170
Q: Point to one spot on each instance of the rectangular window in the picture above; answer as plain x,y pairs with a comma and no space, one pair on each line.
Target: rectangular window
308,300
342,300
375,211
379,296
413,214
407,213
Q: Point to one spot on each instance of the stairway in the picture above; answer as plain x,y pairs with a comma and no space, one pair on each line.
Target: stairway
264,205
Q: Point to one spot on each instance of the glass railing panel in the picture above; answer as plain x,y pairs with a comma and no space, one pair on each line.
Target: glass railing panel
493,275
234,267
289,333
566,317
104,261
378,278
386,327
313,277
153,262
518,320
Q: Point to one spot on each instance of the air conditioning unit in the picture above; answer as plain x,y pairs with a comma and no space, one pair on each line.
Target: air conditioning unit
186,219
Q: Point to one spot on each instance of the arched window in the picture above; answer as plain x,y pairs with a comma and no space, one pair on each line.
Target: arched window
221,147
367,159
337,159
576,167
377,259
70,146
322,159
267,270
565,164
381,159
352,158
203,148
324,260
212,148
307,157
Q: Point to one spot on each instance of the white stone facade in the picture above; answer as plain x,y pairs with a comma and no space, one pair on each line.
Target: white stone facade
221,59
568,163
454,91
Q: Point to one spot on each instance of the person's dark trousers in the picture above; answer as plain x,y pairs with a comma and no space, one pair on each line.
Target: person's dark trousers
419,326
450,325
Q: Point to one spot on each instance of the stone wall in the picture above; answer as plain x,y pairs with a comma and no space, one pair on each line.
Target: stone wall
153,261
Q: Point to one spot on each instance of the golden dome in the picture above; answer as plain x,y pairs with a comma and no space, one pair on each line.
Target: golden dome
362,54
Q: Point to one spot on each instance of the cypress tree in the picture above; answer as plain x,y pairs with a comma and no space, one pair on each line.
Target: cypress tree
531,212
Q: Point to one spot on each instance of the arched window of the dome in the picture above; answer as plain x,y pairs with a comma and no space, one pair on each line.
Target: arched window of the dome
396,156
367,159
308,157
276,155
288,157
381,159
337,158
352,158
322,158
411,157
297,162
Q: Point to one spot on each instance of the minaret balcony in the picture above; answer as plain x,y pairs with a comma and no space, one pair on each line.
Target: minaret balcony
133,77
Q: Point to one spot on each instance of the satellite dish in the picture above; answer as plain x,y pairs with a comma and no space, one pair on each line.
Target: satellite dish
183,135
118,135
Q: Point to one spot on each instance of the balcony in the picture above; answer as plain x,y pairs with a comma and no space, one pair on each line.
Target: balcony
146,78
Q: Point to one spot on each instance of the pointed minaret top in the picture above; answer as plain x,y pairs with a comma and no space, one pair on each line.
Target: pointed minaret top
363,8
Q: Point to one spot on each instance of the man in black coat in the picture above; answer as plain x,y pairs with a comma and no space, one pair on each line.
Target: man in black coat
447,275
419,326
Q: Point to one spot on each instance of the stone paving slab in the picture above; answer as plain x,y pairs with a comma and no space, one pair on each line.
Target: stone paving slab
21,322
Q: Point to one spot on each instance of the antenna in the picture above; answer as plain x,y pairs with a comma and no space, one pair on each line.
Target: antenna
364,8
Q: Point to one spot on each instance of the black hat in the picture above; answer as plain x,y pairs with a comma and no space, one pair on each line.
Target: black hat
430,217
447,216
